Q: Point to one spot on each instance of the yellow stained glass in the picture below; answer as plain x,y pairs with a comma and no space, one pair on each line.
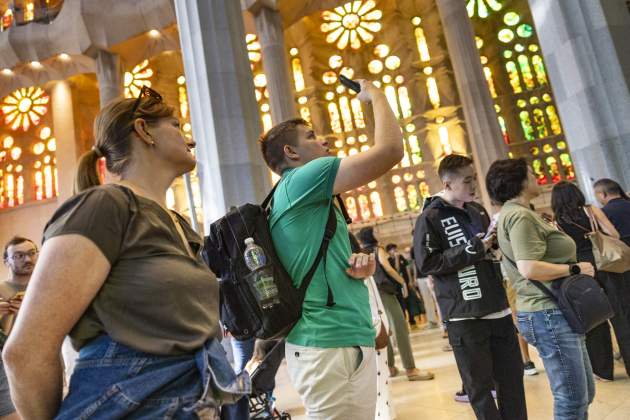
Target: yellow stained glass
183,102
352,24
526,71
526,125
357,111
16,152
405,103
556,128
351,207
539,69
24,107
375,66
421,44
298,75
390,93
305,113
434,94
488,73
401,202
424,190
7,143
539,122
392,62
335,119
346,114
567,164
20,189
48,182
136,78
412,197
329,77
554,170
364,207
515,81
444,140
377,207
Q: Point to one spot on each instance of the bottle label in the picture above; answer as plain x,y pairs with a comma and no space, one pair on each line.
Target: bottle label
264,286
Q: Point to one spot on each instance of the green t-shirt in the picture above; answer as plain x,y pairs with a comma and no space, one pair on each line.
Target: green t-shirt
298,218
524,235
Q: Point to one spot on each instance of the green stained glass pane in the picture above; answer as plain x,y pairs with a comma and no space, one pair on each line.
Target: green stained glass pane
507,54
521,103
519,47
515,80
494,5
525,30
526,71
565,160
539,122
511,18
506,35
539,69
497,108
534,100
533,48
561,145
526,125
556,127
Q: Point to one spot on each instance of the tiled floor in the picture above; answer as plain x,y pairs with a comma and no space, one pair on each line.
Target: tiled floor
433,400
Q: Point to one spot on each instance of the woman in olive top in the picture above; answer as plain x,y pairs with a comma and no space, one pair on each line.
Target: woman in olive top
123,276
542,253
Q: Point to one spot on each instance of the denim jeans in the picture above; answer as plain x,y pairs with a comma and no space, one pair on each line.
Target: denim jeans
242,352
566,361
112,381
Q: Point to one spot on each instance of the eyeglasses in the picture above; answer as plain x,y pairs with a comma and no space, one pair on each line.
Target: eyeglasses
21,256
145,92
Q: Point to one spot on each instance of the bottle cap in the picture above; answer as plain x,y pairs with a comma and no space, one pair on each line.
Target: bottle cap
249,241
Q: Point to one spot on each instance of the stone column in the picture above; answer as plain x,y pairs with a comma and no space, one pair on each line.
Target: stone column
223,108
63,124
275,64
109,75
484,133
589,86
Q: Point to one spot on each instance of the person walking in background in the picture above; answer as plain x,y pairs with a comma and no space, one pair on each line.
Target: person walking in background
541,253
616,206
386,278
409,299
575,218
20,256
452,244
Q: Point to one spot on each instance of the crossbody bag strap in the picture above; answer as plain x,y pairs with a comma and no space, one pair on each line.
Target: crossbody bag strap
591,218
538,284
269,198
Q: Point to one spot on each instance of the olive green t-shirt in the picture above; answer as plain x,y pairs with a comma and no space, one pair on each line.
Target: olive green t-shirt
524,235
298,218
156,297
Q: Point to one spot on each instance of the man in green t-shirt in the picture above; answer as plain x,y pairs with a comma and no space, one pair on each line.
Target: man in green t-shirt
330,351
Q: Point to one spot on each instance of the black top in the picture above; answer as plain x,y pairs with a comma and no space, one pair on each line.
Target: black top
618,211
578,234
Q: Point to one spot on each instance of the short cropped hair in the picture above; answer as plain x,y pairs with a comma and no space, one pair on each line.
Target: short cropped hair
16,240
610,187
452,164
273,141
506,179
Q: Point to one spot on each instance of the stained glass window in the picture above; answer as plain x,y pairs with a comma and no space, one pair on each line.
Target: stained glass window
139,76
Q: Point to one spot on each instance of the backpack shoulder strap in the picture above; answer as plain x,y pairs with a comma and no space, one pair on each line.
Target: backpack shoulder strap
329,232
269,198
538,284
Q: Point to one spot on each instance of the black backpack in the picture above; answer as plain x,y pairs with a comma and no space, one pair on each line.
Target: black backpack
240,310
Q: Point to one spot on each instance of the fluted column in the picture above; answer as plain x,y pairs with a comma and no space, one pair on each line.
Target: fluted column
484,133
276,64
223,108
590,73
109,75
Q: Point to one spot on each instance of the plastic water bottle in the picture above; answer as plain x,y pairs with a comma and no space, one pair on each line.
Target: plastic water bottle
262,279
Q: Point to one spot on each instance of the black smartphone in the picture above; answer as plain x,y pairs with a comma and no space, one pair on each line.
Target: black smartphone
349,83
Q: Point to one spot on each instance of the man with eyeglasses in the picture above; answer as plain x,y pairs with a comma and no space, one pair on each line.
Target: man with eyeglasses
20,256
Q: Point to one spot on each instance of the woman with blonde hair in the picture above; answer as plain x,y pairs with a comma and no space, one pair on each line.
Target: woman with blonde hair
123,276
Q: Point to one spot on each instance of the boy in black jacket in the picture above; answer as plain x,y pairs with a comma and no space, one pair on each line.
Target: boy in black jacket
450,244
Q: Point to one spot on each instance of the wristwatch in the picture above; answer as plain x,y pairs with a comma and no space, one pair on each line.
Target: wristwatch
574,269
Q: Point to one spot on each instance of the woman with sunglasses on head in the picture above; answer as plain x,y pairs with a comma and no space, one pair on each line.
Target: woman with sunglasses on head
123,276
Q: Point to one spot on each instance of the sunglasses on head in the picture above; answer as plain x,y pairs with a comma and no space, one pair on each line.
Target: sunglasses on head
145,92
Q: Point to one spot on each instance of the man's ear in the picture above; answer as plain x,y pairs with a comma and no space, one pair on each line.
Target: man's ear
290,153
447,185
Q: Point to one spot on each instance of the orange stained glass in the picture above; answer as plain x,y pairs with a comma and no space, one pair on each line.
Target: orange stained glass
539,122
351,207
556,128
488,73
405,103
335,120
567,164
421,44
539,172
48,182
20,189
346,114
554,170
390,93
357,111
539,69
424,190
10,188
526,71
434,94
377,207
515,80
298,74
364,207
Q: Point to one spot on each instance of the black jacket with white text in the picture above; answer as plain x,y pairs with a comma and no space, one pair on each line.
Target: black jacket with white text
467,283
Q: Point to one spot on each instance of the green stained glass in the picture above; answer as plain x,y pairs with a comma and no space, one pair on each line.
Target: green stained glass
538,170
494,5
561,145
565,160
482,10
515,80
524,30
533,48
484,7
507,54
506,137
539,69
471,8
534,100
526,71
521,103
511,18
519,48
506,35
497,108
539,122
526,125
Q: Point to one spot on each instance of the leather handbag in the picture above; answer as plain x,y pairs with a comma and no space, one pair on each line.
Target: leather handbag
382,336
611,254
